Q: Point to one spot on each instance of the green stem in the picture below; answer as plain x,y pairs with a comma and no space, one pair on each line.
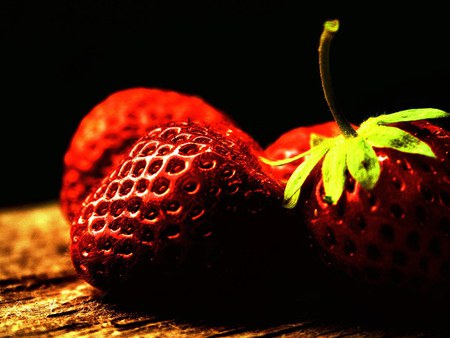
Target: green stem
329,30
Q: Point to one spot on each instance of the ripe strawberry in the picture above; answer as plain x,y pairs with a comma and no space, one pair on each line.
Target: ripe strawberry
396,232
376,200
189,206
114,124
295,142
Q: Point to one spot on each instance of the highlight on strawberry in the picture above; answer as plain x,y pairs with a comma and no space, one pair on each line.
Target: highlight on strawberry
376,199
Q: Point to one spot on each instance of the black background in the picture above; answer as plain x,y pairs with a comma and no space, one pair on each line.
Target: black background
256,60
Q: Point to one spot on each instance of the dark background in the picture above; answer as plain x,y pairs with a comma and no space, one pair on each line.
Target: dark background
256,60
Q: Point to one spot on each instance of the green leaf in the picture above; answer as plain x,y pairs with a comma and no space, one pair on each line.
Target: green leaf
292,202
406,116
333,171
300,174
316,139
362,162
396,138
275,163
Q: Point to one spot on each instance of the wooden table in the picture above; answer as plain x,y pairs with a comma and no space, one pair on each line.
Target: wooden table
41,296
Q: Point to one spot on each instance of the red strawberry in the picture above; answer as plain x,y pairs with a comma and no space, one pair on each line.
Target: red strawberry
398,230
188,207
296,142
376,200
115,123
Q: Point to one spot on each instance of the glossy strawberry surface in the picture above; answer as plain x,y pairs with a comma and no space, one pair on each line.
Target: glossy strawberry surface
114,124
398,233
188,205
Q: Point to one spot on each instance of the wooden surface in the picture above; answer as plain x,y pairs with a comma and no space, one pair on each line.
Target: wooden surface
40,296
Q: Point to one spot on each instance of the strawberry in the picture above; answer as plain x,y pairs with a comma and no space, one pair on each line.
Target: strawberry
114,124
376,200
394,231
189,206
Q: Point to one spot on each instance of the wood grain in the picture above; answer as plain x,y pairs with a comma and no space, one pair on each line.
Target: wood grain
41,296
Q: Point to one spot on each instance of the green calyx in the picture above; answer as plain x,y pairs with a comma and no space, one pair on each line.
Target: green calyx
353,151
356,155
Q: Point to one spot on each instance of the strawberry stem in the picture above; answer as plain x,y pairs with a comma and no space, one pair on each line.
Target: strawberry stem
329,30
